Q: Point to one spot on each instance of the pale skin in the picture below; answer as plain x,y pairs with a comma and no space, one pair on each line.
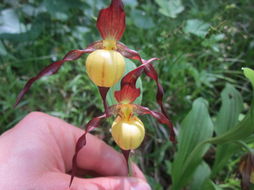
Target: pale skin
36,154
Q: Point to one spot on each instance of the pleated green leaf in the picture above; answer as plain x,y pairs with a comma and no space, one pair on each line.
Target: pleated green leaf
223,153
195,128
201,175
181,174
244,128
232,106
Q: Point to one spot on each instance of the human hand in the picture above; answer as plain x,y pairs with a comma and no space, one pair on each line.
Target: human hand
37,154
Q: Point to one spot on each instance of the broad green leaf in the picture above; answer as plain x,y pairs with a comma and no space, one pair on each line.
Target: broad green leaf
197,27
246,127
223,154
170,8
242,130
195,128
201,174
111,98
232,105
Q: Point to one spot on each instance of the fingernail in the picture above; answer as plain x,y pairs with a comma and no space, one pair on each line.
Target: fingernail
137,184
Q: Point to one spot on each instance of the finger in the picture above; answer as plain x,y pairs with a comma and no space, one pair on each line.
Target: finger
56,181
102,158
96,155
136,172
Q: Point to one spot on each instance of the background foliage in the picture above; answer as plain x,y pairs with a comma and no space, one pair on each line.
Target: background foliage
202,46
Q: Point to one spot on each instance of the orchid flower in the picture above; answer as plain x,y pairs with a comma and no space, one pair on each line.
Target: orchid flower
105,66
105,63
127,129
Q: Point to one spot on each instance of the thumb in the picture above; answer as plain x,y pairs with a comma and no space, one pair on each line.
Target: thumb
56,181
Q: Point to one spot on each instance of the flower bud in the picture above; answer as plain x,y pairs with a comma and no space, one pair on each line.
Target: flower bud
128,134
105,67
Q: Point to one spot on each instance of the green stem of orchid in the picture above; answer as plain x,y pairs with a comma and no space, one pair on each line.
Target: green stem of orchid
130,171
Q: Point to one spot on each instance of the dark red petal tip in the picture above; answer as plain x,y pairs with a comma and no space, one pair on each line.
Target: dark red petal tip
111,21
80,143
161,118
128,92
54,67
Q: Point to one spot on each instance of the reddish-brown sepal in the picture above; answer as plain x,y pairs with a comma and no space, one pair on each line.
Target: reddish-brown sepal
129,93
82,141
111,21
54,67
161,118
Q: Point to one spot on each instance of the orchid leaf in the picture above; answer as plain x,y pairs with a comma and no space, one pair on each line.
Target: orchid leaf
201,174
182,173
232,105
195,128
223,154
246,126
111,98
